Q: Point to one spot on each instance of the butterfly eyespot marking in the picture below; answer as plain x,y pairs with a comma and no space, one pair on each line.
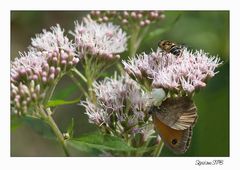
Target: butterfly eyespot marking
174,141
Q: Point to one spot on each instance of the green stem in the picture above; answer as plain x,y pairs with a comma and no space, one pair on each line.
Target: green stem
136,38
90,69
145,145
50,90
133,40
77,82
158,150
102,68
79,74
141,36
46,115
90,89
120,68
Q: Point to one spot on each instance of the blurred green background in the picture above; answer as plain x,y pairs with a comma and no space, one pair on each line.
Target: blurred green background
207,30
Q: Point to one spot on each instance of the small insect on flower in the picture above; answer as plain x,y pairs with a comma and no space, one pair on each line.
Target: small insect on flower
170,47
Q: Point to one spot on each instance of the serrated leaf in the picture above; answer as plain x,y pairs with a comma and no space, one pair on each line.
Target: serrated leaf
100,142
54,103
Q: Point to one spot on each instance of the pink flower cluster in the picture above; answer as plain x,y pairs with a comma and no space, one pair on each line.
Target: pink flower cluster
119,101
53,41
187,72
126,18
100,40
49,57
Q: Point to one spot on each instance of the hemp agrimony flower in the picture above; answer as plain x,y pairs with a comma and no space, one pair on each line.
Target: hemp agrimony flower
135,23
35,72
99,40
26,73
53,41
187,73
57,48
98,46
120,108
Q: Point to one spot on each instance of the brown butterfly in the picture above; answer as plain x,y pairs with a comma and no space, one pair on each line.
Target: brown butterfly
174,121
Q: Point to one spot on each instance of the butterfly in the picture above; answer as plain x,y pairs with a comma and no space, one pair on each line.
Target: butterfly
174,120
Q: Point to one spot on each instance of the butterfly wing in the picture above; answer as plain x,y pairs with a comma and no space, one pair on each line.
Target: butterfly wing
176,140
174,121
178,113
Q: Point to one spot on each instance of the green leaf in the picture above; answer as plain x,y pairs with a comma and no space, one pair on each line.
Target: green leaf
16,121
54,103
100,142
37,124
